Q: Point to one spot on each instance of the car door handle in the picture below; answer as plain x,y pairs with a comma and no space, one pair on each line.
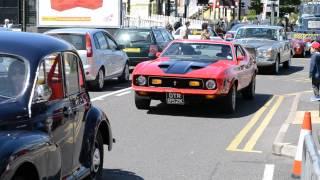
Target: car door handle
67,111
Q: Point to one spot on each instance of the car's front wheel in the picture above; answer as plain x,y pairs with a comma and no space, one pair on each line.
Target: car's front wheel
275,67
97,157
231,100
142,102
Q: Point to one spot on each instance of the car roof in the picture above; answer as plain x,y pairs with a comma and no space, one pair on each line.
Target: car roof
31,46
205,41
74,31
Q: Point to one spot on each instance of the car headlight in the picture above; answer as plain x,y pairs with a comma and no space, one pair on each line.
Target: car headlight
265,53
211,84
141,80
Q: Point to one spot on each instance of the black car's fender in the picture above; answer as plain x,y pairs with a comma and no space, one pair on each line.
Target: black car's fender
96,120
28,149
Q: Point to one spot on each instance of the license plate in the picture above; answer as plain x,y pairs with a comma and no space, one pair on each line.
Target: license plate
175,98
132,50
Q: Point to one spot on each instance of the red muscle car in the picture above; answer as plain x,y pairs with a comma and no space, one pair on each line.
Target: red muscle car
196,70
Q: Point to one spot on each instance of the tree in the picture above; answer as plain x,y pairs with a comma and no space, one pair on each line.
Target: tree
257,6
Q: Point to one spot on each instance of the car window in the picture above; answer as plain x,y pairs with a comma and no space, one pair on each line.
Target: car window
198,52
77,40
158,36
165,35
70,62
13,76
112,44
100,41
239,51
133,36
50,73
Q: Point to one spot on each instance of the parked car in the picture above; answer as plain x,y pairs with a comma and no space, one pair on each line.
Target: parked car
195,33
101,55
142,44
49,129
269,45
195,71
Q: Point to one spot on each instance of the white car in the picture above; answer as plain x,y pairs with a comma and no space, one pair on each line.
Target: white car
195,33
101,56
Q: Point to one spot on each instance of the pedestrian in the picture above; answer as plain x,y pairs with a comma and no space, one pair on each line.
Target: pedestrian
7,24
314,71
205,34
185,31
177,24
169,27
245,20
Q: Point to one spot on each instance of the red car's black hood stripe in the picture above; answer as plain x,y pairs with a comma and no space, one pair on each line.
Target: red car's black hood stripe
183,67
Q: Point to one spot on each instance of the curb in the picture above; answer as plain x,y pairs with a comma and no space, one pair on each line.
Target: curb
279,147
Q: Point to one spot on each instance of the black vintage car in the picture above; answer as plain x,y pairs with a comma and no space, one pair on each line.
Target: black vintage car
48,127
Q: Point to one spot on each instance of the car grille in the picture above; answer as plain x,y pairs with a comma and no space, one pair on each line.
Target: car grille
252,52
174,82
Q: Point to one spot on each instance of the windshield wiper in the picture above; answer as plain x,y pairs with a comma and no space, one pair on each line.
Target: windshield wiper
7,97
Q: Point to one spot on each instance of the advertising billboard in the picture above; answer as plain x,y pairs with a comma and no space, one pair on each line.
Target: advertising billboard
92,13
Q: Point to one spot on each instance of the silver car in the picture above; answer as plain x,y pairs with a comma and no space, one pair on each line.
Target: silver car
269,45
101,56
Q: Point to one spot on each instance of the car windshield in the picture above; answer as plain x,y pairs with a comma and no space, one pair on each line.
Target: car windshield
13,76
260,33
310,9
133,36
198,51
77,40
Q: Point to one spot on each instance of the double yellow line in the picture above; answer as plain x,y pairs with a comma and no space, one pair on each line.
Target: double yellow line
234,145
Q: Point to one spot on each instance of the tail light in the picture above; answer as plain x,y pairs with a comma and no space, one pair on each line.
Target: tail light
153,49
89,46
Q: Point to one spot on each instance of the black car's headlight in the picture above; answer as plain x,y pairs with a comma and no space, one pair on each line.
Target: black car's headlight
141,80
211,84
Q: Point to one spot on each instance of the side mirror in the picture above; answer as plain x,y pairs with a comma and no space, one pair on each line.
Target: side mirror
120,47
42,93
240,58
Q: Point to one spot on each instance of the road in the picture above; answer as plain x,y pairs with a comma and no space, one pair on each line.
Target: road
199,142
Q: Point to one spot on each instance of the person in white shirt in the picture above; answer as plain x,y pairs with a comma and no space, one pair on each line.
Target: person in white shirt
185,31
7,24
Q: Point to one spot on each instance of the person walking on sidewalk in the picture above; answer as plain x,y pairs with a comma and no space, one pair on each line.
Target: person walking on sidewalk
205,34
314,71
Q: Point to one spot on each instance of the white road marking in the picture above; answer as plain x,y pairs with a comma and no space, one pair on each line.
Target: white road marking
268,172
124,93
109,94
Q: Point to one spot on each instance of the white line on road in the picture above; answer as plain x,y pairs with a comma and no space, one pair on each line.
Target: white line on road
109,94
124,93
268,172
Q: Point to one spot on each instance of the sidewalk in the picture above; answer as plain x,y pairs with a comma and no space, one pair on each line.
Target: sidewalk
286,141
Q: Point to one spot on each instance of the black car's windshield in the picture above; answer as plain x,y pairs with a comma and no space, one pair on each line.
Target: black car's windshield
127,36
13,76
259,33
198,51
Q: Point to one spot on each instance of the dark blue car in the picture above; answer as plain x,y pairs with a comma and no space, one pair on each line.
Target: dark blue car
48,127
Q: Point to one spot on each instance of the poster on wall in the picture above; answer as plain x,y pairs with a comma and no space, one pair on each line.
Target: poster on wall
92,13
